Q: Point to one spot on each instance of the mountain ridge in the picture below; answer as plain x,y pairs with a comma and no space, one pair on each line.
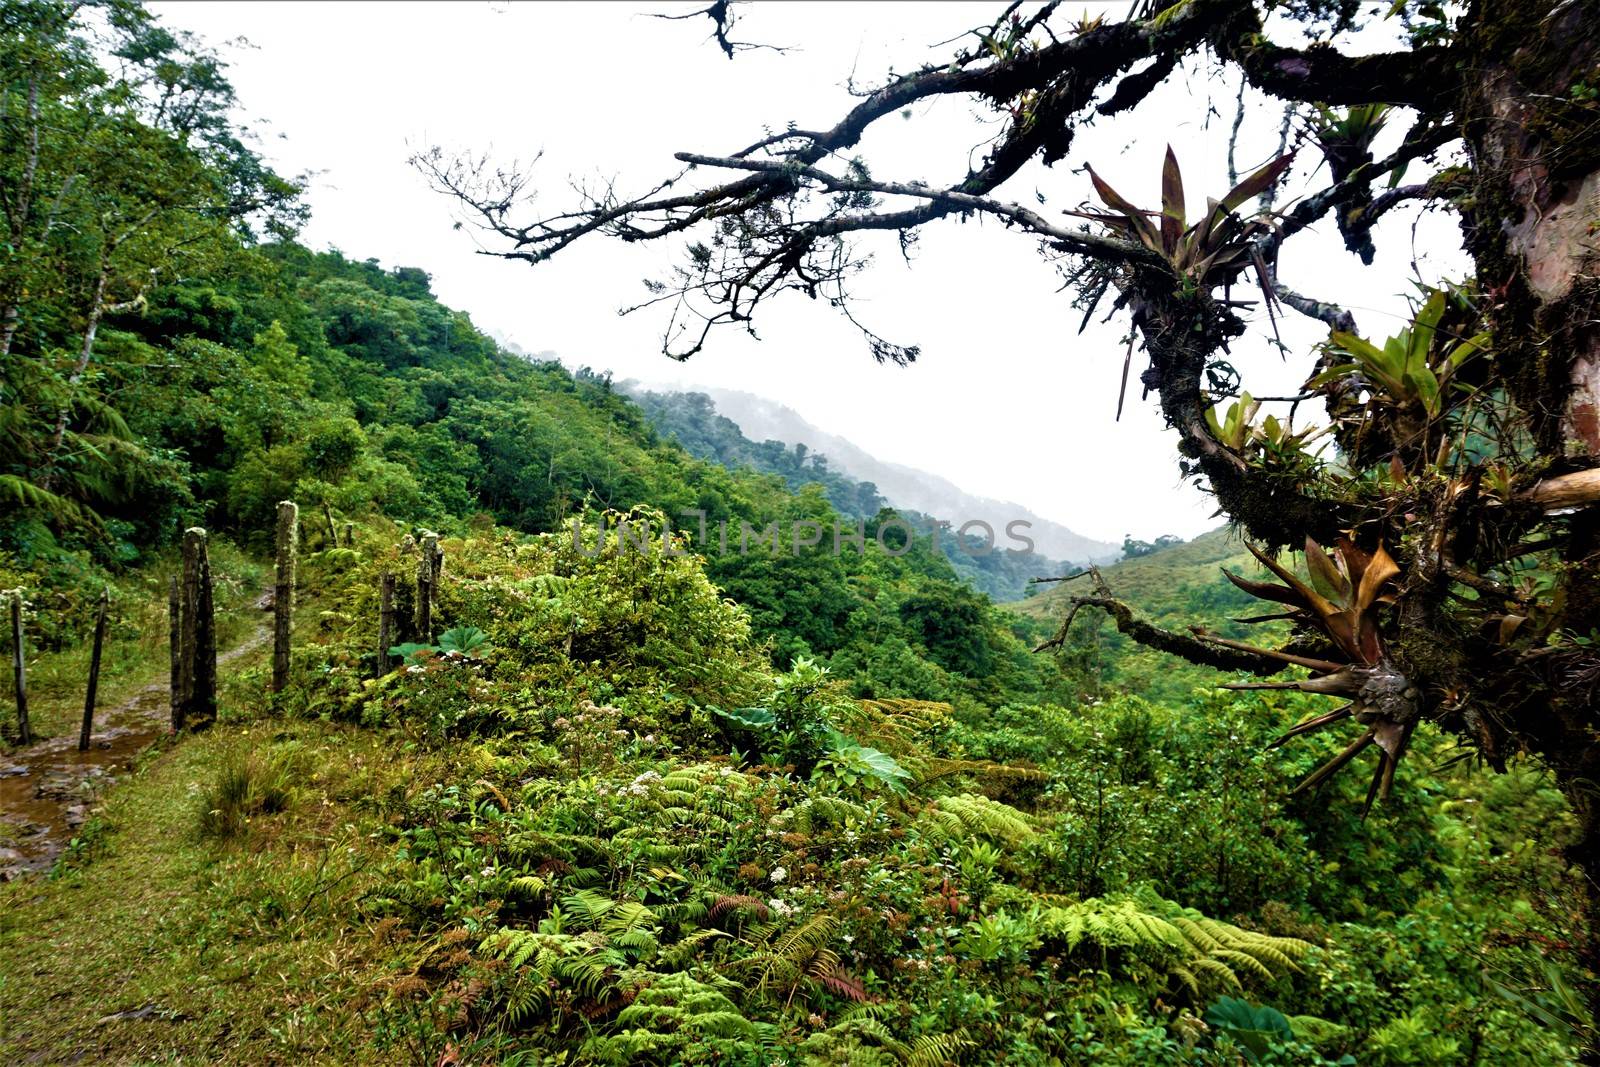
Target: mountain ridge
904,486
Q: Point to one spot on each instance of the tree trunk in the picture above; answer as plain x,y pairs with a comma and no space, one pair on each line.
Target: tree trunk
97,307
386,635
19,672
1535,150
283,592
94,671
199,669
427,567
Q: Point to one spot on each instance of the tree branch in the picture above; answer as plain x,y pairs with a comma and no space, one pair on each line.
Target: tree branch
1182,645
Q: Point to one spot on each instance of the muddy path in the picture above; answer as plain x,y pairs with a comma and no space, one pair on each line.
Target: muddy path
49,789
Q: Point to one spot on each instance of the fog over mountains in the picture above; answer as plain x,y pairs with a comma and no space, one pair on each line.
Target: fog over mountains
761,419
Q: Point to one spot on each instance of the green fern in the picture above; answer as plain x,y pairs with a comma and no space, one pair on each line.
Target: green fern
817,812
671,1015
937,1050
1199,954
546,961
971,815
786,958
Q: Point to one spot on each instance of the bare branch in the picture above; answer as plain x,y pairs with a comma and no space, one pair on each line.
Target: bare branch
722,16
1189,648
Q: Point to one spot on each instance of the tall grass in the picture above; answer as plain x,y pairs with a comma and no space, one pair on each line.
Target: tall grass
248,783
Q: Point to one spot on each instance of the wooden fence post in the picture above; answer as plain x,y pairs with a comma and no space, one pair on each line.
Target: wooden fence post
19,671
427,567
327,513
283,592
175,653
199,667
349,535
94,670
386,634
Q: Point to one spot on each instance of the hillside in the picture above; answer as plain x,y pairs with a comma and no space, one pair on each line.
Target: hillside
1001,572
529,768
904,487
1173,588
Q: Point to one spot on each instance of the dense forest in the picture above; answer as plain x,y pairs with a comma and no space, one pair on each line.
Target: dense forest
792,805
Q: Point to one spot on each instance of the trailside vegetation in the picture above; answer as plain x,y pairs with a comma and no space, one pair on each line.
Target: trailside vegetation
598,805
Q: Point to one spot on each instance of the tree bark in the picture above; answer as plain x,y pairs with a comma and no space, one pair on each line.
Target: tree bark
19,672
283,592
199,669
1528,222
386,633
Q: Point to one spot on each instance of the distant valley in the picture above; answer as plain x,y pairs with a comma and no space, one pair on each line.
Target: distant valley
906,488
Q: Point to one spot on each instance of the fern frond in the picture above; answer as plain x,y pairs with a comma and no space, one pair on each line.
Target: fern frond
937,1050
973,815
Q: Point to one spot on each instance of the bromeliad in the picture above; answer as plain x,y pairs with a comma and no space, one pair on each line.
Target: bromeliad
1340,602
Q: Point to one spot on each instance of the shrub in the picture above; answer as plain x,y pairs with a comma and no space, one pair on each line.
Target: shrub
248,783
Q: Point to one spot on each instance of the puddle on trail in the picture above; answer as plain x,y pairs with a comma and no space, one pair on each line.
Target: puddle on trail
48,790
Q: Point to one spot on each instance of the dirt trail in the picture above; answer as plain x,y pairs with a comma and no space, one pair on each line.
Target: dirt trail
48,789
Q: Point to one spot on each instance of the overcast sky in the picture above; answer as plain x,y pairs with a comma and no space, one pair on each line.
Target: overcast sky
1007,400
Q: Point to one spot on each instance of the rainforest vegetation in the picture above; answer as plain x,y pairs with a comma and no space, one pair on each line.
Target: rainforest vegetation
797,806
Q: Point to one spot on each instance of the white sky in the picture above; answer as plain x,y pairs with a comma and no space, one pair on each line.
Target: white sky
1007,400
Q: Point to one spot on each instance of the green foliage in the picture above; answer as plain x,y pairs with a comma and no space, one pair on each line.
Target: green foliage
465,641
247,784
851,764
1416,367
1255,1027
926,845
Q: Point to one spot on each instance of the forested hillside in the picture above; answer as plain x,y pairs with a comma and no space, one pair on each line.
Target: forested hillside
905,487
1002,569
1175,587
596,803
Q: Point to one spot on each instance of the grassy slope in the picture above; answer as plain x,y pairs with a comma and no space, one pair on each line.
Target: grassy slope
151,945
1174,588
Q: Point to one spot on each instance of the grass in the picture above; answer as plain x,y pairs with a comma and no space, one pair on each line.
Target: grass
158,944
248,783
205,913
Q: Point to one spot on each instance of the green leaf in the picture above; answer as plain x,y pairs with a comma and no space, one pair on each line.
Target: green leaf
1325,577
1423,329
463,639
751,718
1254,1027
870,762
